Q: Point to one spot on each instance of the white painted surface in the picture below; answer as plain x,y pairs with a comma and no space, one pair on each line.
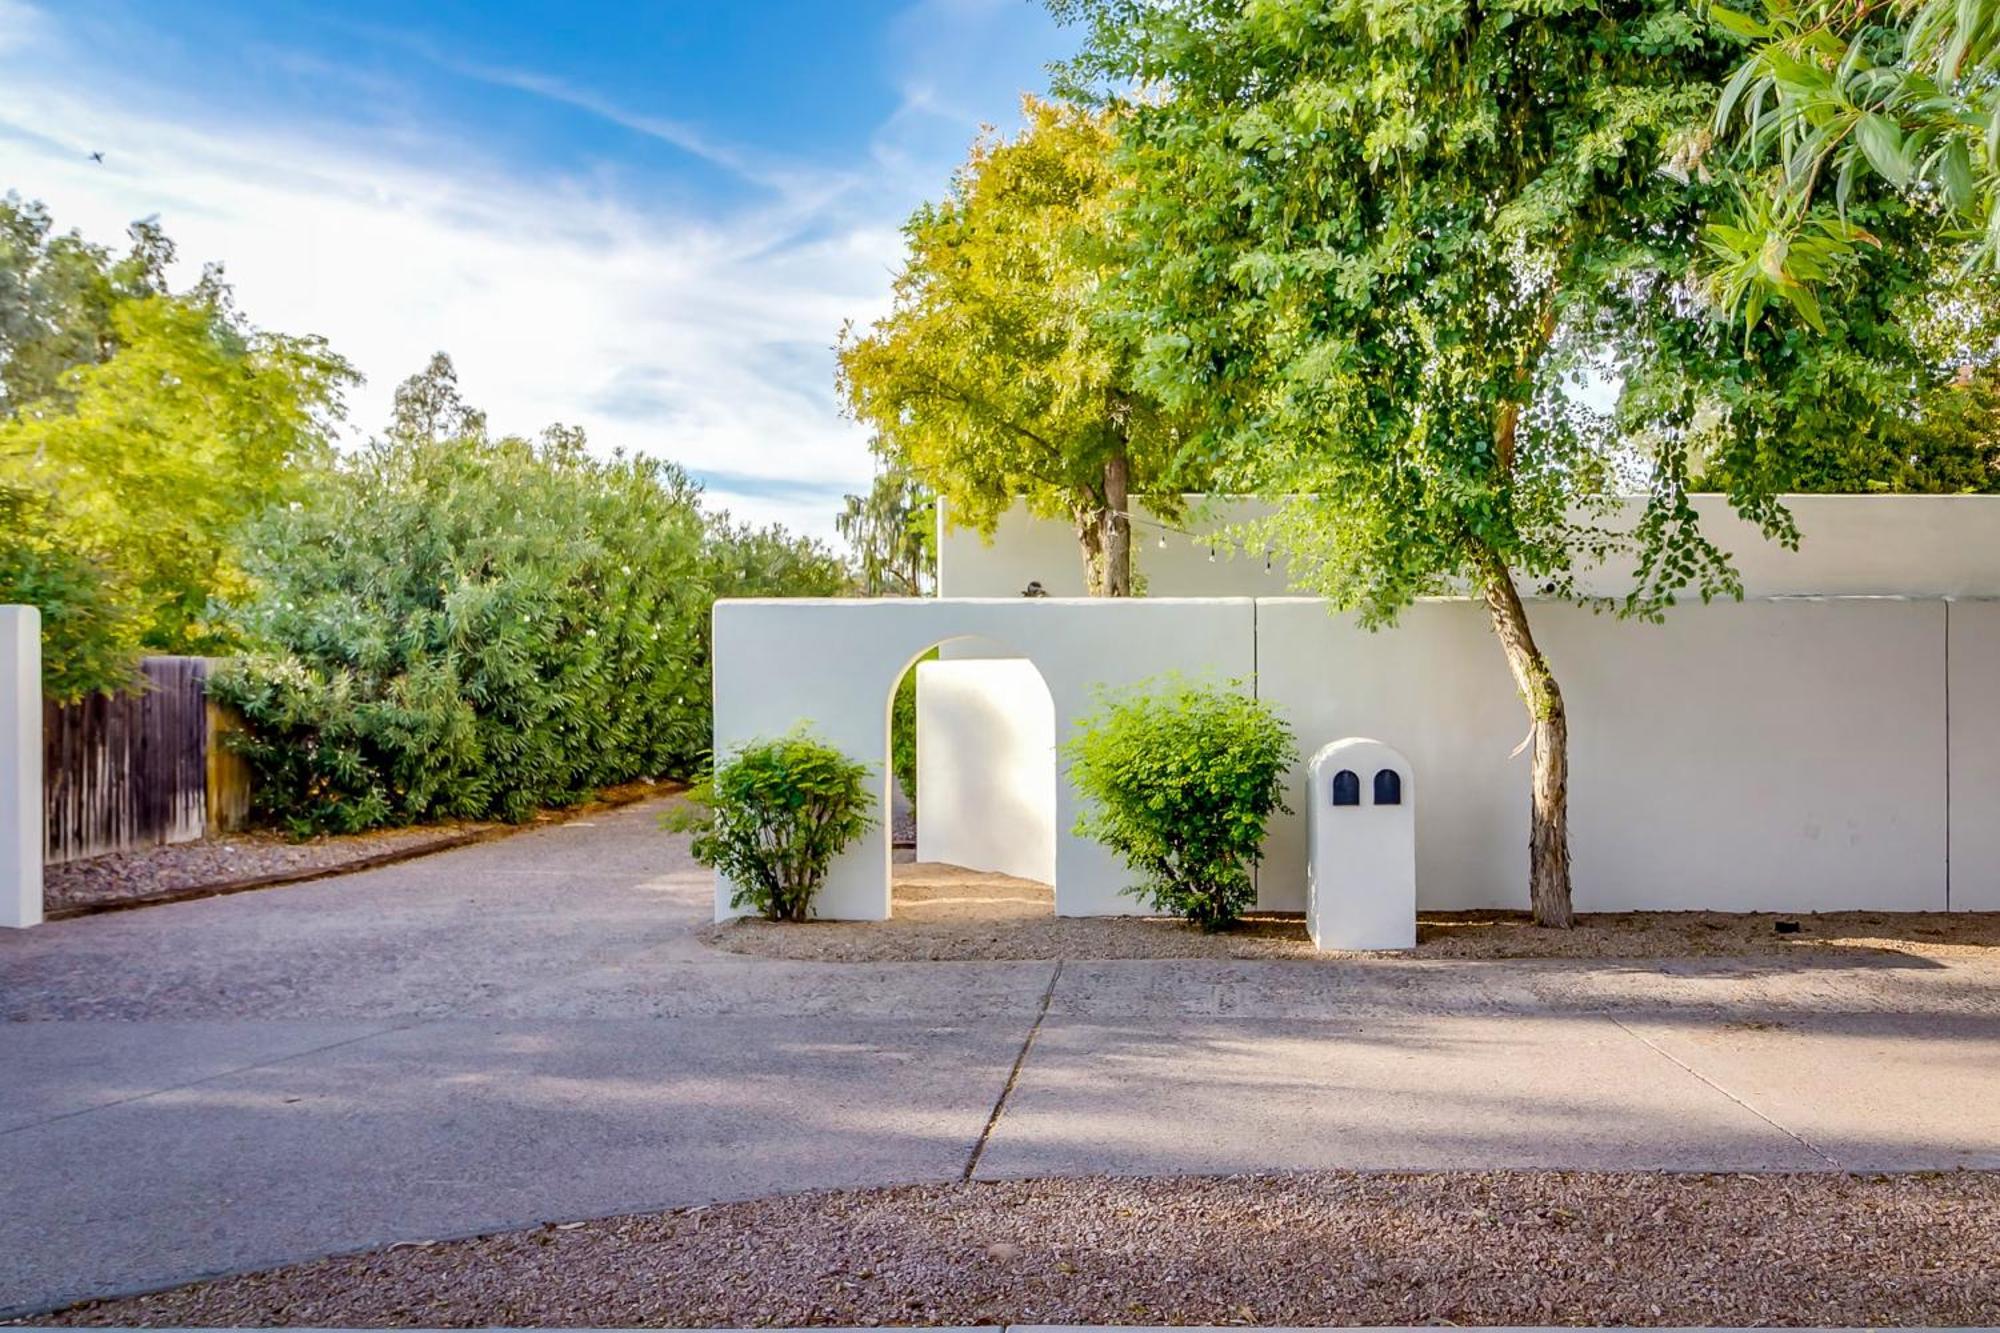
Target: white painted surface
1780,755
1892,545
1045,550
1775,755
1362,867
20,766
834,662
986,767
1975,756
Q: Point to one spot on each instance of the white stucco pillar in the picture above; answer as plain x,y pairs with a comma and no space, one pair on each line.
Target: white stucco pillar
20,766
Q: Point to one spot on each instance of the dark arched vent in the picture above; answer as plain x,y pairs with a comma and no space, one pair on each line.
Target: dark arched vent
1346,788
1388,787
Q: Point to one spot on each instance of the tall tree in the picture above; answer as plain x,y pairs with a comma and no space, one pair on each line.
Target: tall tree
428,405
890,535
57,297
1375,246
998,373
144,429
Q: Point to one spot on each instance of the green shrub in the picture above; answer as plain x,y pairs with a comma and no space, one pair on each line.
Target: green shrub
903,730
1179,779
772,817
472,628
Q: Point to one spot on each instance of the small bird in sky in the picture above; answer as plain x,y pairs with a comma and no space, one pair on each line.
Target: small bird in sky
98,158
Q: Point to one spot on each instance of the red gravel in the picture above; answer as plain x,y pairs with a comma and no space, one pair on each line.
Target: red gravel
1314,1249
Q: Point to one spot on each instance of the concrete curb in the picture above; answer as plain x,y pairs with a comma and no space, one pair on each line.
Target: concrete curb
306,874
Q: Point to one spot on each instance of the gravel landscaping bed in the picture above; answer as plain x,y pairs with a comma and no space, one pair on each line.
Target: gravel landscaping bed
946,913
187,868
1317,1249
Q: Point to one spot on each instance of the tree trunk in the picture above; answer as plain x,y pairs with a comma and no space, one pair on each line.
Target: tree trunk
1117,529
1548,827
1090,537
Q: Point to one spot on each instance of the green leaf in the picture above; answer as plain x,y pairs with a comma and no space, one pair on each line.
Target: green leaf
1737,24
1955,172
1882,142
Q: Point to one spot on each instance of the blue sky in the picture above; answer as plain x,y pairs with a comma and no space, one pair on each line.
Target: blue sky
647,219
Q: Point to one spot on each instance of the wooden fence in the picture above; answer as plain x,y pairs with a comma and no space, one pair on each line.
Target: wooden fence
140,770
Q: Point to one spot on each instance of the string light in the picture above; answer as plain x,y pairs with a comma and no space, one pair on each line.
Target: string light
1211,555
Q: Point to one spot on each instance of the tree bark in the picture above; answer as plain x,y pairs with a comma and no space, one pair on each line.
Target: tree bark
1090,537
1117,529
1548,820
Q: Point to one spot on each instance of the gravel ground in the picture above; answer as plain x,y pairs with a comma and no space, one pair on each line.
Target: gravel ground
1318,1249
944,912
145,871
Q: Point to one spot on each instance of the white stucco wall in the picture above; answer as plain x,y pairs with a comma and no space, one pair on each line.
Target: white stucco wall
1773,755
986,767
1975,756
1904,545
834,662
20,766
1786,754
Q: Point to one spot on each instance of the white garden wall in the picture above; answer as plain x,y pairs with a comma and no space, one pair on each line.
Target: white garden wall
835,662
1780,755
1905,545
1788,754
986,764
1975,755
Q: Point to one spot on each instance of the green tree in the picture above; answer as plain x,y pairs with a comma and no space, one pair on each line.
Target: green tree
162,452
428,405
57,295
89,639
1832,92
142,428
997,373
891,535
1374,247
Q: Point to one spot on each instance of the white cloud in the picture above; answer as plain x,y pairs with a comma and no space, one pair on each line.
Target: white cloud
697,340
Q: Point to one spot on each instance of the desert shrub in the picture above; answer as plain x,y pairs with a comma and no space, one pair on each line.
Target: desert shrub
772,817
1179,779
471,628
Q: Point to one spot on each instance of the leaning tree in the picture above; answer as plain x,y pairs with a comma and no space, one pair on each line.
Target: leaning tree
1430,270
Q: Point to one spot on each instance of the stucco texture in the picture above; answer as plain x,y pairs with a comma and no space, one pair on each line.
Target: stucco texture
833,664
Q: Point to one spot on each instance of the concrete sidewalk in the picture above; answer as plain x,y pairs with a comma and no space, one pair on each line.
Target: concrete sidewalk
531,1030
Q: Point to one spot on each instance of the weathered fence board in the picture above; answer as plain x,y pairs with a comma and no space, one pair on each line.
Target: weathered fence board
128,770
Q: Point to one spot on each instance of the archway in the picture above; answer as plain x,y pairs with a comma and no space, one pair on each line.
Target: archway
984,798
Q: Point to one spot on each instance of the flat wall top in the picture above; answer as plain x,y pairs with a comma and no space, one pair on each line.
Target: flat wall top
1851,545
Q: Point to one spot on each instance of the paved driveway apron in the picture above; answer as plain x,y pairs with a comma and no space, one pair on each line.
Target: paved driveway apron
530,1029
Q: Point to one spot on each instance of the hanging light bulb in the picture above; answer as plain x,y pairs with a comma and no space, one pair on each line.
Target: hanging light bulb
1267,560
1163,539
1211,555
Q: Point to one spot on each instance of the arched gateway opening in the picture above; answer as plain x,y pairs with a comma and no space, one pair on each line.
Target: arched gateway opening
969,794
